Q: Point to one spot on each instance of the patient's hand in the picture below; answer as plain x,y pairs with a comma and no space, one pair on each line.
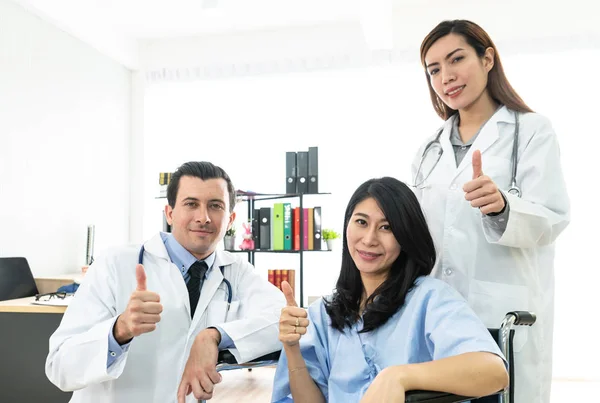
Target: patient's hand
293,321
387,387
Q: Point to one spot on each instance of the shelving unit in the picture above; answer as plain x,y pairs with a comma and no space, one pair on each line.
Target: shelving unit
251,199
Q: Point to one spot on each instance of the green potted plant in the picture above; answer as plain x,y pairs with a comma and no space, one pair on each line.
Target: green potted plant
229,239
330,236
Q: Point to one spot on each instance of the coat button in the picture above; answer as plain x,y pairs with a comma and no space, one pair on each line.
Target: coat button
454,186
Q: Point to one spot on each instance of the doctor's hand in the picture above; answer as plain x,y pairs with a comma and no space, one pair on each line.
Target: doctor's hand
293,320
200,375
482,192
386,387
142,312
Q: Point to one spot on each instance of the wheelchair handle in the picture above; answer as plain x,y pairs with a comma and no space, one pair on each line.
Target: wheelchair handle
523,318
514,318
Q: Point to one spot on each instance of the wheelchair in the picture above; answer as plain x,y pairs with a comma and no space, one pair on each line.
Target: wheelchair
503,335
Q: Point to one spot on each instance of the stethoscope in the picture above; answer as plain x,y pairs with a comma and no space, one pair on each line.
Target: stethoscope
513,190
227,283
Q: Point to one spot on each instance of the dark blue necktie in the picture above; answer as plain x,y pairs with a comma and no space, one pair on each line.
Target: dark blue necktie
197,272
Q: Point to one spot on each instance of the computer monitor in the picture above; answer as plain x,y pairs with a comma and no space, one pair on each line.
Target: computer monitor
16,279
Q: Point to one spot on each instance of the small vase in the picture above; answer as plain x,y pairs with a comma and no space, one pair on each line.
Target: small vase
229,242
330,243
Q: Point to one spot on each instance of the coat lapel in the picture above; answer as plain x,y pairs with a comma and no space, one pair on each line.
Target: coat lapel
212,282
489,134
447,161
209,288
156,246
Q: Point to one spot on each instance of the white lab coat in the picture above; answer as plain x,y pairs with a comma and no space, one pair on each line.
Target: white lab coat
151,369
500,272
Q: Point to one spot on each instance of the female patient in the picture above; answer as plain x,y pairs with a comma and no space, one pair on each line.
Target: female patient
389,327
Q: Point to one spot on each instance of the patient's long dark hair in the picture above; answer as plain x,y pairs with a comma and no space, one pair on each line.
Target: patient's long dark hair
417,257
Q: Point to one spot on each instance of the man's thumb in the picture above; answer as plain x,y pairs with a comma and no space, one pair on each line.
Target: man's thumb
289,293
140,276
477,168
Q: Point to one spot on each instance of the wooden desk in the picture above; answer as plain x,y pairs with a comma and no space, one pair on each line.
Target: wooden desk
24,305
25,330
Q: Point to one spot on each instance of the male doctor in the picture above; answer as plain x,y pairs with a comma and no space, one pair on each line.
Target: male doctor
151,332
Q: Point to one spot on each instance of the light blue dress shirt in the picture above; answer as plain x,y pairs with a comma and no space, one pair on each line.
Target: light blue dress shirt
435,322
183,259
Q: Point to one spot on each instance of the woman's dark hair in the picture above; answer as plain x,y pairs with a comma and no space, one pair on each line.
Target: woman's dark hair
498,86
203,170
417,257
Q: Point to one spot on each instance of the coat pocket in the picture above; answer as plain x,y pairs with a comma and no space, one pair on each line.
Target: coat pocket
492,301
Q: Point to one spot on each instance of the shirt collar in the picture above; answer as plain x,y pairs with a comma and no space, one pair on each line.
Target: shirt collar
180,256
455,139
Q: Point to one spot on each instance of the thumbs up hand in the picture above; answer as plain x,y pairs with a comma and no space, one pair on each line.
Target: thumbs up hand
481,191
293,320
142,312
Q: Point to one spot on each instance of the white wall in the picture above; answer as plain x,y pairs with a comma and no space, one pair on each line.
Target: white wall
64,144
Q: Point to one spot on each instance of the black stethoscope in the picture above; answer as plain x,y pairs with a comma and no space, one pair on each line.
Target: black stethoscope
436,145
227,283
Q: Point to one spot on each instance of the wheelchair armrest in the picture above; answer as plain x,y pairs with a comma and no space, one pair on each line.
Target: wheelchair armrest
422,396
225,357
226,360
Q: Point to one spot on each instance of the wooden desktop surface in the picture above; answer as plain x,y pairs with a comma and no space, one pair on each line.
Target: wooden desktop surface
44,285
25,305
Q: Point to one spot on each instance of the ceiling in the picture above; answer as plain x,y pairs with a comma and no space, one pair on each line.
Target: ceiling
159,19
117,28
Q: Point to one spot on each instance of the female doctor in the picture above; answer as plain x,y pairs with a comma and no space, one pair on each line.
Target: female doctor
146,326
492,189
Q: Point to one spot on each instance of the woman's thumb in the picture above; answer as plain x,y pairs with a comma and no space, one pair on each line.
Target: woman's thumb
289,293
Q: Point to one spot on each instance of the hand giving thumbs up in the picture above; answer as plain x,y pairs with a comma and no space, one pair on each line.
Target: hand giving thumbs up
142,312
481,191
293,321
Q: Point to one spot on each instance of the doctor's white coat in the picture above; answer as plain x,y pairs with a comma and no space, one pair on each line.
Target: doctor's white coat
497,271
151,369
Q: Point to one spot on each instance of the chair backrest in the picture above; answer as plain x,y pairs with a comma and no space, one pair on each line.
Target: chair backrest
16,279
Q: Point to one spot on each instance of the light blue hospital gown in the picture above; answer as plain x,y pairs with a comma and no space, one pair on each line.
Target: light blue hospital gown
435,322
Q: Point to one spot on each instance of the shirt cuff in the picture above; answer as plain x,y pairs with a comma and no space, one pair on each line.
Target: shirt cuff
115,350
226,341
